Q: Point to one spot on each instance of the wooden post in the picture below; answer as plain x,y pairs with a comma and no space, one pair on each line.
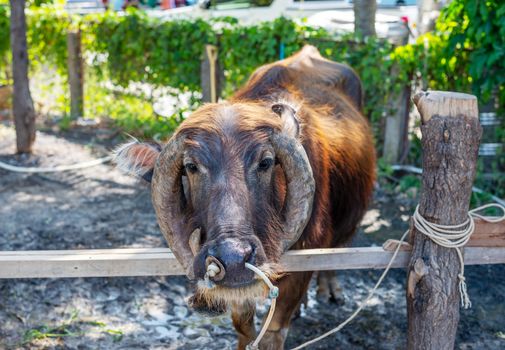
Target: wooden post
396,129
451,135
211,75
75,74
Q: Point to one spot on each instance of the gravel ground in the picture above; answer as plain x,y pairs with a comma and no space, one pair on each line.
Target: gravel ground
101,208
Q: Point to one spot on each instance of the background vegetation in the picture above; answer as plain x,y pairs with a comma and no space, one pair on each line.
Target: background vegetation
465,53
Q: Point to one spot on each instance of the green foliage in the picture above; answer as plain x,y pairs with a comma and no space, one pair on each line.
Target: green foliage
47,30
245,48
137,48
38,3
144,49
466,53
475,36
4,30
132,113
409,181
384,169
4,42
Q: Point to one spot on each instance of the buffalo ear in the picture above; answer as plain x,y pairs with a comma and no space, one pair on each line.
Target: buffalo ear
137,158
290,124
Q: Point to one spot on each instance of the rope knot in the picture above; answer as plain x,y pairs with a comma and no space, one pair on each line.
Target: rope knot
447,236
456,237
273,293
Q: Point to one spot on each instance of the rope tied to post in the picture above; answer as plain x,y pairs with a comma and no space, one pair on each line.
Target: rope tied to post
456,237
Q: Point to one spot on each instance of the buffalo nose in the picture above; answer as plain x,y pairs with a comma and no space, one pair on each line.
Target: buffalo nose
225,262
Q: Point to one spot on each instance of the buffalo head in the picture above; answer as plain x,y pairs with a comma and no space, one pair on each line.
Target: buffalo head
232,185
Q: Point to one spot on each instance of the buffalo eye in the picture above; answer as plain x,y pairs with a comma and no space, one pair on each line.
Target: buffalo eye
265,164
191,168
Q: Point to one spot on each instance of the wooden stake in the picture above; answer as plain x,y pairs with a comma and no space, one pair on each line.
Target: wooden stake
75,74
451,135
396,128
211,75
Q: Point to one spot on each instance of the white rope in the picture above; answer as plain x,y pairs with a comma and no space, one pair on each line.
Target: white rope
456,236
272,295
450,236
88,164
362,305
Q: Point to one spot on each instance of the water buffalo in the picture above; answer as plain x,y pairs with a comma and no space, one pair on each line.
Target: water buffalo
286,163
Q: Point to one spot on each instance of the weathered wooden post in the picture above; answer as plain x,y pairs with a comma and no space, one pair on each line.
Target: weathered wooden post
75,74
211,75
451,135
396,128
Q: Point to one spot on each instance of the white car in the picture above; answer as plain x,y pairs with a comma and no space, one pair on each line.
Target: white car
391,27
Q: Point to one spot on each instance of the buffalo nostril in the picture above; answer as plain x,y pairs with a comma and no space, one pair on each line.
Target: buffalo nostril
250,255
215,270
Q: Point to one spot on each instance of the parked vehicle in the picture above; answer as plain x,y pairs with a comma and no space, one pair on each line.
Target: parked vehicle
391,27
335,15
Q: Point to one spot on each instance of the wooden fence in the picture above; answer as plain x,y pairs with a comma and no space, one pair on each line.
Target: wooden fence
161,262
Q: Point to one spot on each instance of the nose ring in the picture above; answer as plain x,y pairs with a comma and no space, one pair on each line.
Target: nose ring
215,270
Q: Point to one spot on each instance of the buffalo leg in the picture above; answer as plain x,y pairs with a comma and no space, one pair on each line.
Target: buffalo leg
242,316
292,289
328,288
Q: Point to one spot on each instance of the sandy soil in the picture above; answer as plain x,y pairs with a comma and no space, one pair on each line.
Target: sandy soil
101,208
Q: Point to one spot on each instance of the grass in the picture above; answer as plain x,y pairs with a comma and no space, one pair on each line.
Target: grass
71,328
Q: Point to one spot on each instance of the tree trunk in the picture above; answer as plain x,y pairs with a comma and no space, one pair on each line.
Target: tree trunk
22,103
364,17
451,134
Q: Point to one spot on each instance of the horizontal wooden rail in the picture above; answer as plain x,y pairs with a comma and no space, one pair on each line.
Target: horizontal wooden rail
161,261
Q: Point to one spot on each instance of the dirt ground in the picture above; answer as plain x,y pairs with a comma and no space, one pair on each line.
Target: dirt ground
101,208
